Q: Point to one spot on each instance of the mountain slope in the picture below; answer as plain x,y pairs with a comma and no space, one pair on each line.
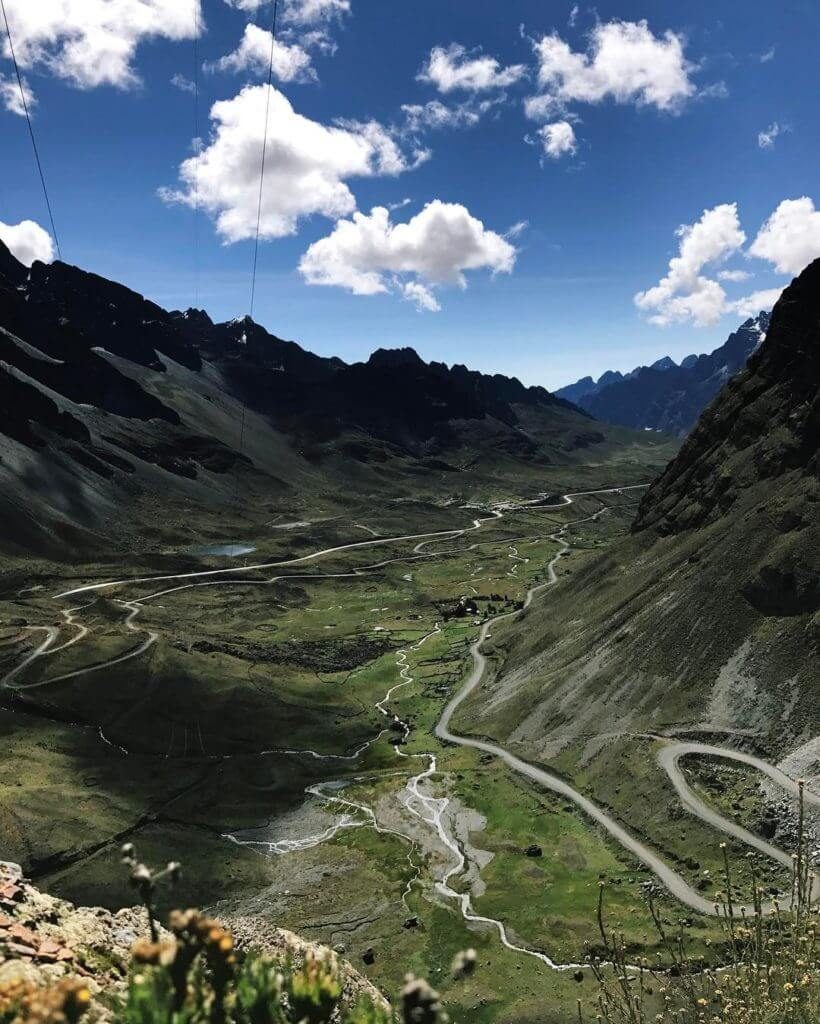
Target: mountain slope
120,420
705,620
665,396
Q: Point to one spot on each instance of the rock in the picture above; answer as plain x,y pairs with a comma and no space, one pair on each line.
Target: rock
411,922
57,939
534,850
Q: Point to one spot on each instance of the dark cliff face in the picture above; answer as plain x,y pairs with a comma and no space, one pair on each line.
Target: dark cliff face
763,426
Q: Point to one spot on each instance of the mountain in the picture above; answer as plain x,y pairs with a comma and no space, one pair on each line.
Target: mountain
111,402
704,621
665,396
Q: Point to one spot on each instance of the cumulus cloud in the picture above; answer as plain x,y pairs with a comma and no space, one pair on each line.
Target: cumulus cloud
685,293
93,42
12,100
625,62
28,242
790,238
558,139
308,166
767,138
370,255
291,63
453,68
751,305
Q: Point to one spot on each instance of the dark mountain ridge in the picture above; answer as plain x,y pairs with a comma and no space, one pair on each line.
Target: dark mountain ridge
107,398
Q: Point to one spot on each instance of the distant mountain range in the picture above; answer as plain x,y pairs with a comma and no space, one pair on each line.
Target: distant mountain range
667,396
110,402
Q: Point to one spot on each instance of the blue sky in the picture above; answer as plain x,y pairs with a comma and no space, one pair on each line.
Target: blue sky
543,228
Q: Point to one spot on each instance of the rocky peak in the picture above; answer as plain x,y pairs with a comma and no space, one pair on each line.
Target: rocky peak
395,358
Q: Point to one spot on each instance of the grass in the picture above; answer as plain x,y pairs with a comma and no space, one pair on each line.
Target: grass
243,669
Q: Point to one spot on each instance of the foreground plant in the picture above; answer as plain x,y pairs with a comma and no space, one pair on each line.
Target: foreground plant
771,969
192,974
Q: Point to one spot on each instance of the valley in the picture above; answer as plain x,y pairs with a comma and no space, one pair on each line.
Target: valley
288,722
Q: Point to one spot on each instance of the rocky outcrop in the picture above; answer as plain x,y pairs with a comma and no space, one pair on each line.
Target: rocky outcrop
44,939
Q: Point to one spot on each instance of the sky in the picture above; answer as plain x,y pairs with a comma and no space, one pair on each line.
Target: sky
536,188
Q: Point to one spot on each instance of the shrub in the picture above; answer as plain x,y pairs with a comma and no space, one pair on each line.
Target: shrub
769,974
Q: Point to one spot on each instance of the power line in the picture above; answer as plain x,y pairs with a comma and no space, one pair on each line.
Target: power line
264,152
31,128
259,202
196,163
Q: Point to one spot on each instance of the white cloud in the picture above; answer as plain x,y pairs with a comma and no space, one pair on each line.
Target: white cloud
766,139
751,305
93,42
308,165
312,12
624,62
542,108
767,56
573,15
517,229
369,255
421,296
28,242
790,238
298,12
684,293
183,84
558,139
12,100
453,68
291,63
437,115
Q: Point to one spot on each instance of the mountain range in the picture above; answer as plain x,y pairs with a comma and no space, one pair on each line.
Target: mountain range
111,401
667,396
